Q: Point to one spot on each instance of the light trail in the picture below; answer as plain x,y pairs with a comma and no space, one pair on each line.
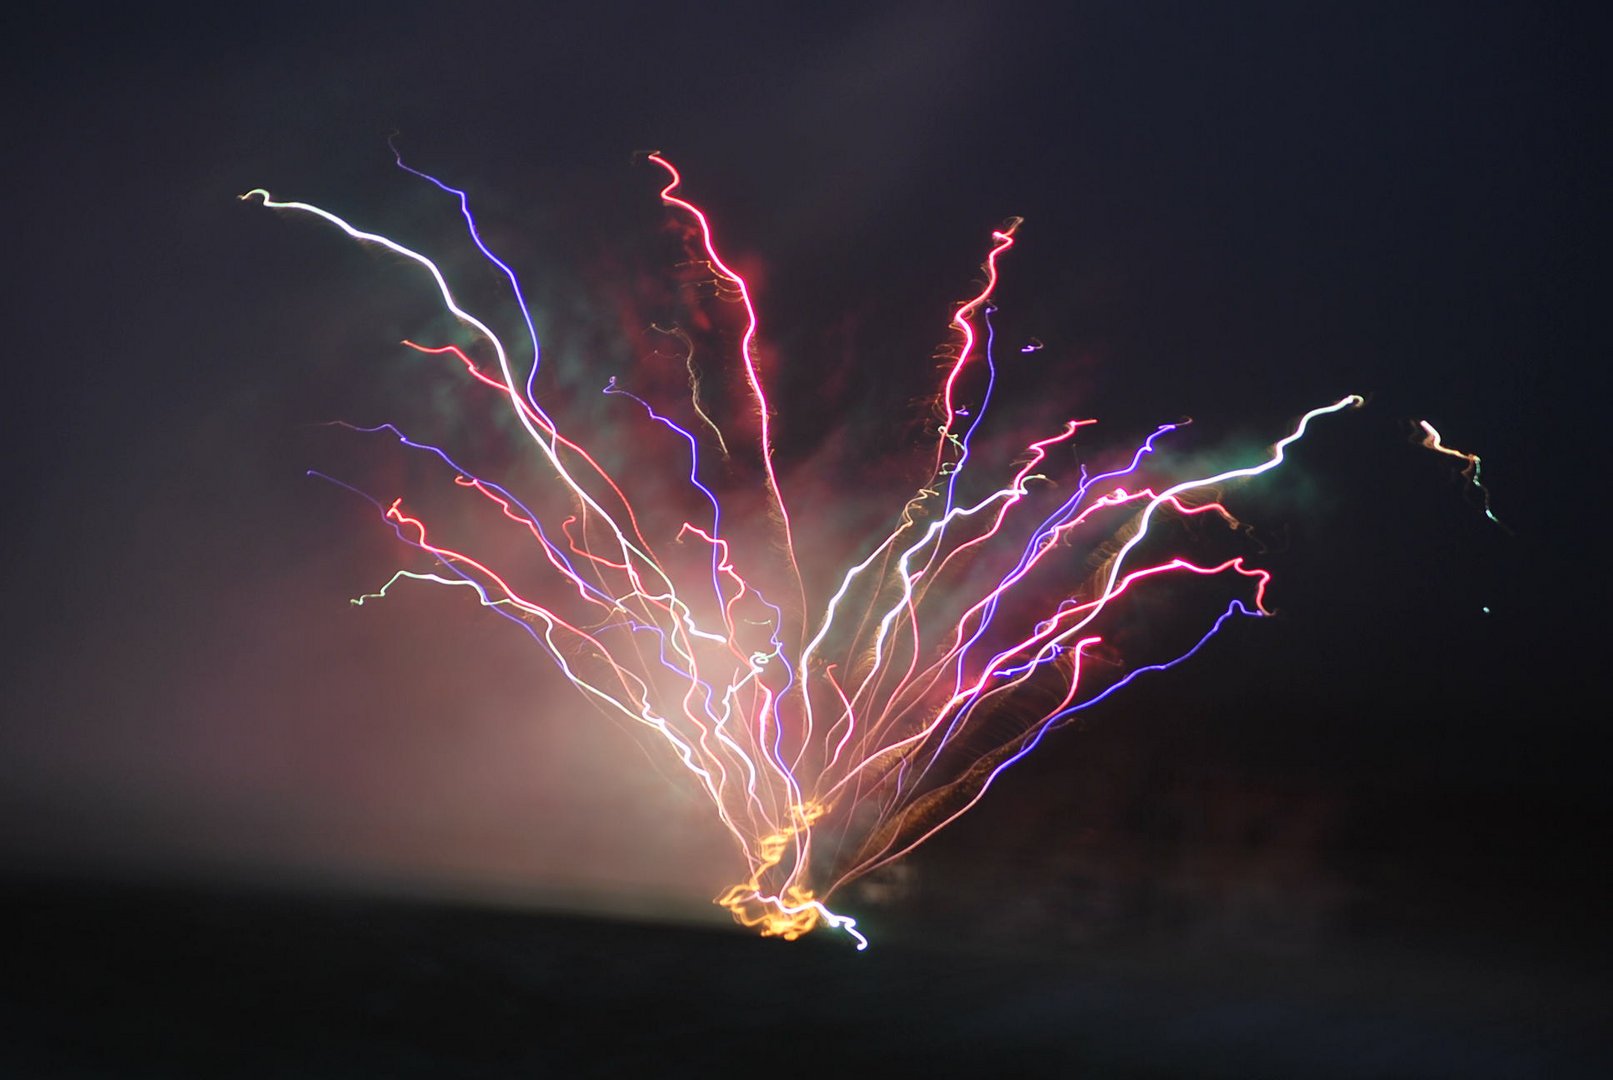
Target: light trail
1472,472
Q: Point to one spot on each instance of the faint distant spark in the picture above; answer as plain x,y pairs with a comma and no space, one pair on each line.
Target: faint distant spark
1472,471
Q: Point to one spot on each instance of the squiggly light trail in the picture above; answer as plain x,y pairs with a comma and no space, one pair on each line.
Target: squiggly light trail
1472,472
836,737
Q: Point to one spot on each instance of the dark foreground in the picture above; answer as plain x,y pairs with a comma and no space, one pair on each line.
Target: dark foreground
190,981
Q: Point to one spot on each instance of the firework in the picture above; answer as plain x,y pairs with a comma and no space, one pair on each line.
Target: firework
832,734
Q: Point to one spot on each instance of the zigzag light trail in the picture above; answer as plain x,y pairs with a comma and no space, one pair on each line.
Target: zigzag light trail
831,734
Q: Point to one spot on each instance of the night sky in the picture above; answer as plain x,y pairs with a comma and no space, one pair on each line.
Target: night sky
1232,212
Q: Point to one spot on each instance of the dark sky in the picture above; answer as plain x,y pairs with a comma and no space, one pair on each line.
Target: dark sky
1233,212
